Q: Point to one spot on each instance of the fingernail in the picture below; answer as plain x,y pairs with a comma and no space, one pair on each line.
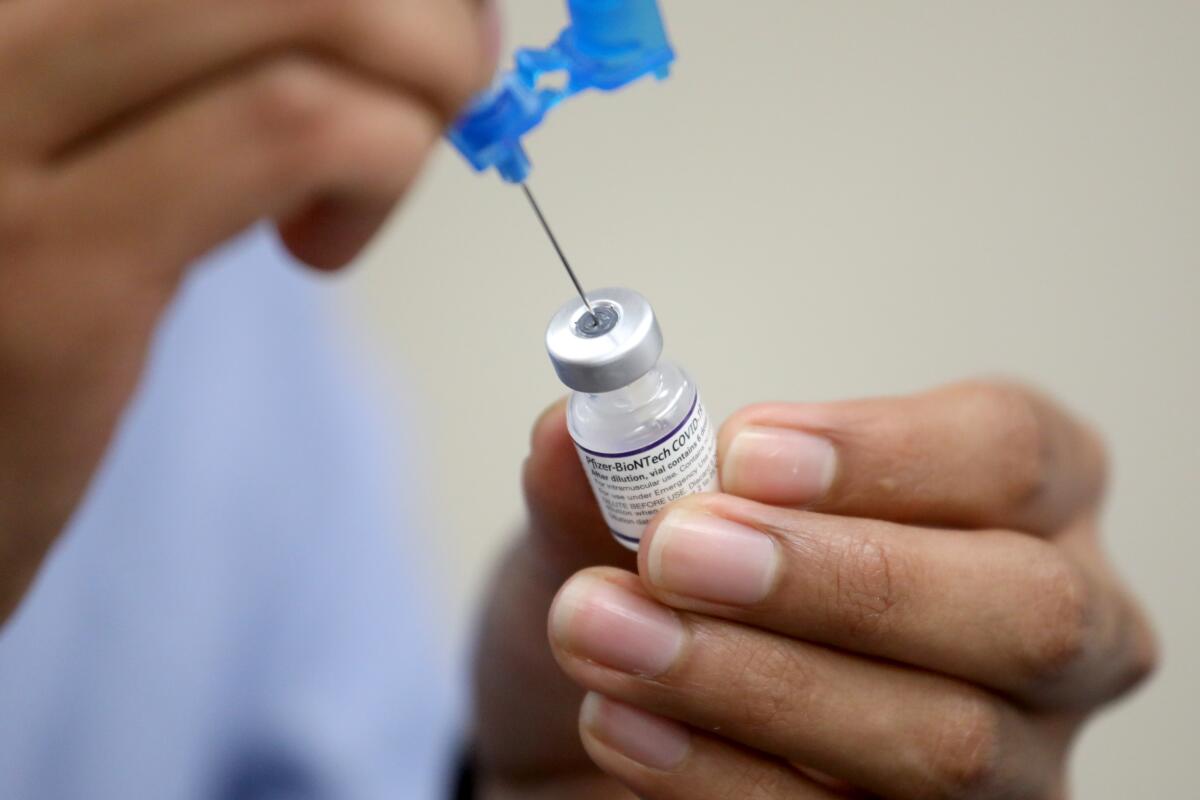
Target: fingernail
645,738
711,558
778,465
602,622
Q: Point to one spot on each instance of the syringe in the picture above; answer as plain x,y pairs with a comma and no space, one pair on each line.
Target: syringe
608,45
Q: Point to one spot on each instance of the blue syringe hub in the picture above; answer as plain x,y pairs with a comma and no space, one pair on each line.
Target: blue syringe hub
607,45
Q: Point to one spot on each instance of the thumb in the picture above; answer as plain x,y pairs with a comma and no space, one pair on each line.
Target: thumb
527,710
565,524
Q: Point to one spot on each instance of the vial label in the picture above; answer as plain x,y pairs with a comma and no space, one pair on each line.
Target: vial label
632,487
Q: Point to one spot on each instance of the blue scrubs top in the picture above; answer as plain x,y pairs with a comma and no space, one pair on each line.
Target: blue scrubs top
236,610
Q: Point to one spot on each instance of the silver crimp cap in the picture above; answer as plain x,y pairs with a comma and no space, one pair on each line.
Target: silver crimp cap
610,351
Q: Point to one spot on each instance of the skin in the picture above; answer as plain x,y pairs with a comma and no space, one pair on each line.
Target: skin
136,135
940,620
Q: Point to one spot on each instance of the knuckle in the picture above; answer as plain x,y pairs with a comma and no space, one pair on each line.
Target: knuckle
773,680
964,761
296,111
1146,656
289,99
864,585
750,781
1135,647
1057,639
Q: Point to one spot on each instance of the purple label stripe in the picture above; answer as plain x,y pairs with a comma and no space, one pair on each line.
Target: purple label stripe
678,428
622,537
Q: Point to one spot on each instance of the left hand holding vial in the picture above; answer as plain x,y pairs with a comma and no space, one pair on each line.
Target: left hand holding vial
908,595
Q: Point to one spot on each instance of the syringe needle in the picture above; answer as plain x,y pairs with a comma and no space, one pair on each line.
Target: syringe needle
554,241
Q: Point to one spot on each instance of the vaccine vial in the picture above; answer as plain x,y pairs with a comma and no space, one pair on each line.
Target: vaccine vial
637,421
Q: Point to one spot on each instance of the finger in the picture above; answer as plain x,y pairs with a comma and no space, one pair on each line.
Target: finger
566,526
662,760
971,455
898,732
262,145
332,231
72,68
996,608
565,533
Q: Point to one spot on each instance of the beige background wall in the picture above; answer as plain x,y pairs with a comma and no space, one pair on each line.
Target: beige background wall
835,199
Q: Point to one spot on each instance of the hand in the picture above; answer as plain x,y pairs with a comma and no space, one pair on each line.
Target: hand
526,709
938,622
135,135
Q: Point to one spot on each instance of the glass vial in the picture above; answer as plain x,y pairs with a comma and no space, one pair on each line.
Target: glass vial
637,421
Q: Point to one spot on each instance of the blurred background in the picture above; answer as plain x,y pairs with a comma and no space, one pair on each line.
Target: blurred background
837,199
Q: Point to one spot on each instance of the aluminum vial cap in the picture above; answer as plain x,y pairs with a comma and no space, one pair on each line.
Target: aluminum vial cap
609,351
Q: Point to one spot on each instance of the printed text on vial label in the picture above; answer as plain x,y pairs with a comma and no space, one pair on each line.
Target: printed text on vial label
631,489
